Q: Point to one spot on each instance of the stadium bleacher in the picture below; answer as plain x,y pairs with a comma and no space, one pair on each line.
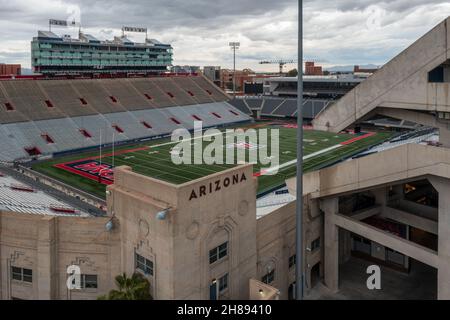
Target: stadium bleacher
241,105
254,103
279,107
286,108
210,88
22,198
28,98
270,105
193,89
41,117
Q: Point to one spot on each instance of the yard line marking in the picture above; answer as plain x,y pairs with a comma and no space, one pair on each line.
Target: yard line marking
312,155
290,163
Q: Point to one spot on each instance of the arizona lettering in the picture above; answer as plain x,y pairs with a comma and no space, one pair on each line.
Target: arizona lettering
217,185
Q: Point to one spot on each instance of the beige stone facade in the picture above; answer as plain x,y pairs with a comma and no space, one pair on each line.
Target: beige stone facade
47,246
199,216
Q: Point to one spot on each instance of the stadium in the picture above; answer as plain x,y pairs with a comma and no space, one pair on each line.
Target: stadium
87,179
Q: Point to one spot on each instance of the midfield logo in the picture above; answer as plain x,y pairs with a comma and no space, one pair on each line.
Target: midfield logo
91,169
231,147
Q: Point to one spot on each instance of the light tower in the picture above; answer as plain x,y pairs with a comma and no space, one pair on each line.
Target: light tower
234,46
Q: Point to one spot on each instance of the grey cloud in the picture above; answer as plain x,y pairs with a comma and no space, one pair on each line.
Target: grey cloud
338,31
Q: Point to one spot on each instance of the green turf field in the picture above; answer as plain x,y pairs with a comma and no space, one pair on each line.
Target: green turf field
155,159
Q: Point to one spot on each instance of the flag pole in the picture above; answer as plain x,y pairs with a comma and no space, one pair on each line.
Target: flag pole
100,159
113,149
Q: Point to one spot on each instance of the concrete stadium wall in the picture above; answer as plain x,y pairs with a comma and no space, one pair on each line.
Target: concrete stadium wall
48,245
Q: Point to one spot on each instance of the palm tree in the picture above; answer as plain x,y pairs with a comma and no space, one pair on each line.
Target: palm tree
135,288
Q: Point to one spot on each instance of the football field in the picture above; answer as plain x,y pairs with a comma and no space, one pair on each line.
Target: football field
91,172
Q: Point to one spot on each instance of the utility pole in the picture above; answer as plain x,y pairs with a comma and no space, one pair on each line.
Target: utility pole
234,46
299,272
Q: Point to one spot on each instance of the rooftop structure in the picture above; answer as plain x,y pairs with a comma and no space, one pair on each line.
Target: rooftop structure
331,86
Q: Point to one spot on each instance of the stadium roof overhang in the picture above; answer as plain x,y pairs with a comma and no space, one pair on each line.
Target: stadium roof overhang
418,79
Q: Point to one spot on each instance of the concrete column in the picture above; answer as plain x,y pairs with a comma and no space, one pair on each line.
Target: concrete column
331,246
444,137
345,246
443,187
46,276
381,197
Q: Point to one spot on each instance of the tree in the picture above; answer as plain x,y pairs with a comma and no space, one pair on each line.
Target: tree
292,73
136,287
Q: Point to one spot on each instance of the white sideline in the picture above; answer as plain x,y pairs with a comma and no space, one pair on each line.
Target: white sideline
292,162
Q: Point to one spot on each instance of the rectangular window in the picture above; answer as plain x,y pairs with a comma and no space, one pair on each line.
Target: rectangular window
190,93
209,92
149,97
113,99
223,283
269,277
235,113
83,101
216,115
196,117
315,245
170,94
144,265
22,274
292,260
89,281
218,253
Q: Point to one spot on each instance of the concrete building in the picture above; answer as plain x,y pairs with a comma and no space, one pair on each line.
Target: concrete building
213,74
185,69
312,70
413,86
227,77
189,240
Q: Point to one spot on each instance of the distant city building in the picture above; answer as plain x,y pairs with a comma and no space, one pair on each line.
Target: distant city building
55,55
10,69
312,70
212,73
242,76
357,69
247,81
185,69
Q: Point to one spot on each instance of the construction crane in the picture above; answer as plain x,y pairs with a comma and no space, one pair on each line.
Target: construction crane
280,62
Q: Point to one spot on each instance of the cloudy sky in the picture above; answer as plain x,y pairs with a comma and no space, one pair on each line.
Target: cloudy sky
337,32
